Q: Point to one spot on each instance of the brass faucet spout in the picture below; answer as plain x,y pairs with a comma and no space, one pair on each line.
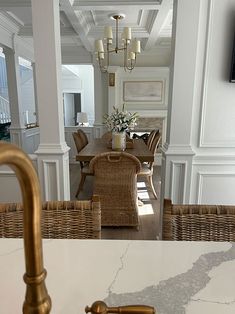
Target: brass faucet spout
37,300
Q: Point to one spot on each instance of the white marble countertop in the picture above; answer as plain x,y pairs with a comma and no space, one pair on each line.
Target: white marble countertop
174,277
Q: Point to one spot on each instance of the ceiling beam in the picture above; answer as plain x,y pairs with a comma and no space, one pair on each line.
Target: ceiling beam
106,3
114,7
27,31
14,3
78,23
157,24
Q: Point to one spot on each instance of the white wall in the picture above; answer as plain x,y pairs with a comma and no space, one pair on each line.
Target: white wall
143,108
199,158
213,176
82,82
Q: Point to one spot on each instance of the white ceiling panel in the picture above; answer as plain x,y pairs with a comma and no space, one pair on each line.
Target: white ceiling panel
83,21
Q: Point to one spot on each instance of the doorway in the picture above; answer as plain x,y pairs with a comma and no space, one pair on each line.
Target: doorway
72,105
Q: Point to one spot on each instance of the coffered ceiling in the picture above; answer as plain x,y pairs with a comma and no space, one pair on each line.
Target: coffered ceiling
83,21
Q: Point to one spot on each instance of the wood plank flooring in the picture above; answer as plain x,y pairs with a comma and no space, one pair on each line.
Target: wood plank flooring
149,212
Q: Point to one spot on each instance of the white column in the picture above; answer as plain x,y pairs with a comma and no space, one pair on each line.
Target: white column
53,159
101,106
178,152
17,128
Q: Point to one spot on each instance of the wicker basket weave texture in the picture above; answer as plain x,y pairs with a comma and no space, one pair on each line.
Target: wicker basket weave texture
116,184
60,220
198,222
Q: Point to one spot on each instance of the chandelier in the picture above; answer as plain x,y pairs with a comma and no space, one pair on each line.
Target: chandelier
129,47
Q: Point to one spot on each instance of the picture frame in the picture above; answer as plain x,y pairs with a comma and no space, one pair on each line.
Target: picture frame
143,91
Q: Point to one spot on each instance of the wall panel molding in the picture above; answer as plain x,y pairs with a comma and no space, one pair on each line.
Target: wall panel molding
51,184
202,186
178,181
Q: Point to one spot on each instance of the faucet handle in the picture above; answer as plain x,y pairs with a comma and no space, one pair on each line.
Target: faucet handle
99,307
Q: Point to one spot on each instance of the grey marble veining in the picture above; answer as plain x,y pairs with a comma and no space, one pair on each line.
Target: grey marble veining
170,296
122,258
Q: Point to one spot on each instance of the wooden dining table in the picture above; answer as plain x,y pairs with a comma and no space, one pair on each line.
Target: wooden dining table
98,146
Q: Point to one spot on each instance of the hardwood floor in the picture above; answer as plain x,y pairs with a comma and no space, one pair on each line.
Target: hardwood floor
149,212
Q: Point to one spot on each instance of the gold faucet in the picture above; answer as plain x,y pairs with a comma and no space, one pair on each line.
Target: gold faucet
99,307
37,300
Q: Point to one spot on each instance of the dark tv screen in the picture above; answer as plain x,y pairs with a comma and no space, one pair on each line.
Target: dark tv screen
232,73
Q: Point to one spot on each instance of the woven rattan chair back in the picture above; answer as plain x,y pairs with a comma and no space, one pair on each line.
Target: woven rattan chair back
115,181
198,222
83,137
78,141
84,167
60,220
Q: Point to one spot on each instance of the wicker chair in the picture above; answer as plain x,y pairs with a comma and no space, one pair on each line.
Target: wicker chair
84,167
198,222
60,220
116,184
83,137
147,168
151,137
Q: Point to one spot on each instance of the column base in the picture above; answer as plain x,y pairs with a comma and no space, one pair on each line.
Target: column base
53,171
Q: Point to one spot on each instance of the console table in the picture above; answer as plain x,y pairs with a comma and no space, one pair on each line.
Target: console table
175,277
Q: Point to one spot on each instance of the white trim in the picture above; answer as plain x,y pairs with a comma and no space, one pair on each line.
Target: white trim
48,177
214,160
180,189
52,149
203,174
177,149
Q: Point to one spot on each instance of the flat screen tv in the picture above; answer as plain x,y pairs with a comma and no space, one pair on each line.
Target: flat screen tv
232,73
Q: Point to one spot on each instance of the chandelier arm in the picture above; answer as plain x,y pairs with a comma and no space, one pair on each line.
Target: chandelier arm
125,55
131,66
103,68
108,50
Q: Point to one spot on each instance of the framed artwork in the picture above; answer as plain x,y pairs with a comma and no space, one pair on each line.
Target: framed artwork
143,91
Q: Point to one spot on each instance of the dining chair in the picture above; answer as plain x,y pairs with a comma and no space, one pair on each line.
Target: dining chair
198,222
147,168
115,175
151,137
83,136
60,219
107,136
84,166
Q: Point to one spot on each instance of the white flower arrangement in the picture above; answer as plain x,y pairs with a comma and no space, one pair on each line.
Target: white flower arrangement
121,120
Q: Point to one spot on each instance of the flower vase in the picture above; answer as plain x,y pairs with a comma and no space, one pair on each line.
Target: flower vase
119,141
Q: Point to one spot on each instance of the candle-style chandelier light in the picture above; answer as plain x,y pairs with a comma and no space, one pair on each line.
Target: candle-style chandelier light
129,47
